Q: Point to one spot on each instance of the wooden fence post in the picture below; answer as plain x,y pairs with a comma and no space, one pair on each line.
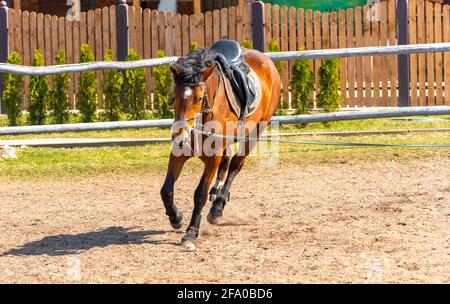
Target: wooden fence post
258,26
3,47
403,60
123,40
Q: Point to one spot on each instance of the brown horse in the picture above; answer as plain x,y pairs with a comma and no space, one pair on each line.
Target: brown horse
200,93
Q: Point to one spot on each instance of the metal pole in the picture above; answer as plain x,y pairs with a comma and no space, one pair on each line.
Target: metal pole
3,47
258,26
403,60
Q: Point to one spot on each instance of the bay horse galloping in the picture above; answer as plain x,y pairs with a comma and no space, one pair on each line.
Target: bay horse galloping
214,92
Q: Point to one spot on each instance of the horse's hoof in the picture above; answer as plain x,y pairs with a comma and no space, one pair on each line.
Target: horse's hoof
213,219
189,245
177,223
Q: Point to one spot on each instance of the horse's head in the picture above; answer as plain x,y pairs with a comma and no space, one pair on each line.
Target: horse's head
190,91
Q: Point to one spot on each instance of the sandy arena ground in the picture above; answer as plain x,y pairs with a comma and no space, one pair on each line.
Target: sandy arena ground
371,222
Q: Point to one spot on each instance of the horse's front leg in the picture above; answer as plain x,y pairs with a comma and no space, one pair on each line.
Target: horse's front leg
200,198
176,163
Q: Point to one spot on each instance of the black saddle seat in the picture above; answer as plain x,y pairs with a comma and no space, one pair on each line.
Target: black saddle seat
231,51
229,56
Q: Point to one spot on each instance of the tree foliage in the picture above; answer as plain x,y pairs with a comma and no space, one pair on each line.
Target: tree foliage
112,85
59,96
39,93
162,89
13,92
302,85
135,88
87,87
329,98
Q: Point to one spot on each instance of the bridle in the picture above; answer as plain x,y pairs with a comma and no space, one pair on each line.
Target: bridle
206,107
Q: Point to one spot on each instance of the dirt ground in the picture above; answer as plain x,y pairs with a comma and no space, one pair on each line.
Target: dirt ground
371,222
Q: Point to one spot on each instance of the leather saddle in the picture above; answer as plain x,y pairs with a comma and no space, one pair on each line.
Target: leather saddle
229,57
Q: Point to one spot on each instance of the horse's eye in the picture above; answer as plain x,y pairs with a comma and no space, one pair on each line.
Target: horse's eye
171,100
200,99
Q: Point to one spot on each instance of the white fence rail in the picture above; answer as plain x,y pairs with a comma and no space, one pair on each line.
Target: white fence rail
292,55
165,123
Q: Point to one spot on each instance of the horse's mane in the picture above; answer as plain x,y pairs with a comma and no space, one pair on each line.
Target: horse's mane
191,67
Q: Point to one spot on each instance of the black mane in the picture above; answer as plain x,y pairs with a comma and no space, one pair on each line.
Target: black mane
191,67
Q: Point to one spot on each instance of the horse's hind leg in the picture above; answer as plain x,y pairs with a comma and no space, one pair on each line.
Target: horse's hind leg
173,172
200,198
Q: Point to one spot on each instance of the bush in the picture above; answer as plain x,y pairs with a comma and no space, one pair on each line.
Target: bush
13,93
329,98
87,88
162,89
111,86
302,85
59,96
273,47
246,44
193,47
39,93
135,88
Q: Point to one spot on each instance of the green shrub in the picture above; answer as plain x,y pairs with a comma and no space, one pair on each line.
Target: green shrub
111,86
302,85
247,44
162,89
59,95
329,98
39,93
273,47
87,88
135,89
13,93
193,47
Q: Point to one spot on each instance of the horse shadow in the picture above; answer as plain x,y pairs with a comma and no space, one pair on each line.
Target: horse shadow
68,244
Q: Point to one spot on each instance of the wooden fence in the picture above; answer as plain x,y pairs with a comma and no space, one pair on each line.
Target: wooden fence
365,81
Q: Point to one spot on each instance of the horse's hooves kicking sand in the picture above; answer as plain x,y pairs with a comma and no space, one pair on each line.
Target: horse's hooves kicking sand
226,93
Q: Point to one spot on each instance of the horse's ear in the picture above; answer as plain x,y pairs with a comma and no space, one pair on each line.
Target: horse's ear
208,71
175,70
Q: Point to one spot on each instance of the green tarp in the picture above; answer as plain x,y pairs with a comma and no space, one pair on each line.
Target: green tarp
320,5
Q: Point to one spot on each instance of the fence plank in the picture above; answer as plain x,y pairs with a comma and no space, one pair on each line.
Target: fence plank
248,30
412,57
333,30
392,30
224,23
105,30
208,29
54,33
26,55
62,35
170,45
350,61
430,56
421,57
232,23
301,29
147,50
276,23
132,27
40,32
113,30
83,28
446,35
367,60
359,60
216,25
138,28
154,32
376,60
178,37
438,56
184,33
90,30
11,40
98,53
18,32
285,47
267,23
325,30
342,44
384,67
69,57
239,23
162,31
